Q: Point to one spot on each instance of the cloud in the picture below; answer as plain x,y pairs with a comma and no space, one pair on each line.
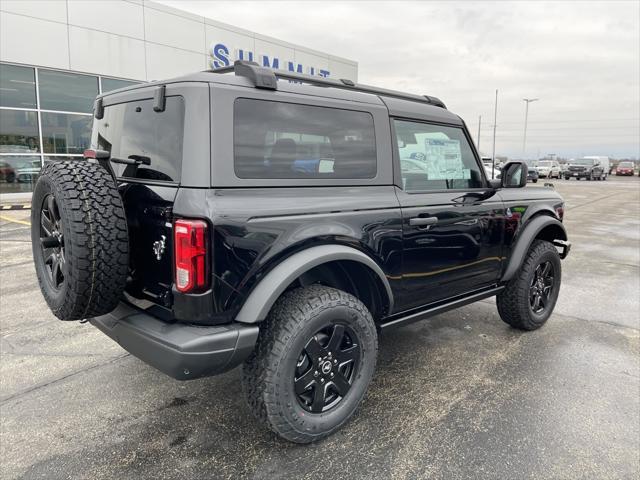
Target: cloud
581,59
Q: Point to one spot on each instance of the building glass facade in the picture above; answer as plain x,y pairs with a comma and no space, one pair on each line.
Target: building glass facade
45,115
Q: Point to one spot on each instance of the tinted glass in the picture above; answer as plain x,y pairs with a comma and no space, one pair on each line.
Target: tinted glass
18,131
583,161
65,133
134,129
18,173
109,84
69,92
286,140
17,87
434,157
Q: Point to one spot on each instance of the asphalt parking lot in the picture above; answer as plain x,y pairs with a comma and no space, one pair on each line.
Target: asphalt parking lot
459,396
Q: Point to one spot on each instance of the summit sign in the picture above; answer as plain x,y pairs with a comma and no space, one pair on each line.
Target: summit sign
220,55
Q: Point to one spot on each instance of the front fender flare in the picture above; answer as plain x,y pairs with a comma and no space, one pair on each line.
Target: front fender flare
264,295
524,240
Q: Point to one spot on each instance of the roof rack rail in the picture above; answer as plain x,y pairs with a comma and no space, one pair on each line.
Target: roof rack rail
263,77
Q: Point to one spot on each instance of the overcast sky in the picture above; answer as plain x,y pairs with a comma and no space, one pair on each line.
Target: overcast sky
581,59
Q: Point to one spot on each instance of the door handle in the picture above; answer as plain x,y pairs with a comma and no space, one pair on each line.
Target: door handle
423,221
472,221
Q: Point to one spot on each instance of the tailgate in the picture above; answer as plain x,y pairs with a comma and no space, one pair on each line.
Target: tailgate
149,213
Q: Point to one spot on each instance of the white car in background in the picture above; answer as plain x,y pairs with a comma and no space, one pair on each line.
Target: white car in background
549,169
489,168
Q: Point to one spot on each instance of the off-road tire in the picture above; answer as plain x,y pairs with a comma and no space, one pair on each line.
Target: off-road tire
513,301
94,228
268,372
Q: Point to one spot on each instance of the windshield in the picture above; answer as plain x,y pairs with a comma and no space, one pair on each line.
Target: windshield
544,164
583,161
625,165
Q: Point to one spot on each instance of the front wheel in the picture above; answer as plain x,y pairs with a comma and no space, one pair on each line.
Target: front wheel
314,359
530,297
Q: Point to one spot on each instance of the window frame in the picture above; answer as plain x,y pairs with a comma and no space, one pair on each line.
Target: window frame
397,169
38,110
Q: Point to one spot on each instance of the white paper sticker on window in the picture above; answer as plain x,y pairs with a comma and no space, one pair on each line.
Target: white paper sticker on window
444,160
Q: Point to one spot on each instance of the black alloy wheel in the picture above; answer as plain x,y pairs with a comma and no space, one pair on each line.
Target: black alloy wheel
541,288
326,368
530,296
52,241
313,361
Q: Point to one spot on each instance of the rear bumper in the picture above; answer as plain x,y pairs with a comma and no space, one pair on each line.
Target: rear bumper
182,351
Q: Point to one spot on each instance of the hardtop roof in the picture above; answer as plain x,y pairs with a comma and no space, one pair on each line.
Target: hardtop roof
396,106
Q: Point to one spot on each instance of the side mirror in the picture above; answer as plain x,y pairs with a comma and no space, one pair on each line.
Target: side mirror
495,183
514,175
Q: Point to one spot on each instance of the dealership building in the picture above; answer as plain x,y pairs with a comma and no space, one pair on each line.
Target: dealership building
57,55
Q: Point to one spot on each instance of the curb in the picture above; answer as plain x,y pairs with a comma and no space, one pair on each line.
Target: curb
16,206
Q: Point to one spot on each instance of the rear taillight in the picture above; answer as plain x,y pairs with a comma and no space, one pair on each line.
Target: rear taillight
96,154
560,212
190,241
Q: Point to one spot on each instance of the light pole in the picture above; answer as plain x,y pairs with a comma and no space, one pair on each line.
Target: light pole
526,116
495,124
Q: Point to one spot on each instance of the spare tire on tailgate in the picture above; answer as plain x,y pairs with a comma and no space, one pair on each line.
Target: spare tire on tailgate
79,239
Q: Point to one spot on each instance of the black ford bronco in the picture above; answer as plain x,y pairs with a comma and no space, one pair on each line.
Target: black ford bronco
282,222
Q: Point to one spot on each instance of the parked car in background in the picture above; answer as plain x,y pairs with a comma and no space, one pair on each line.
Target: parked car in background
29,172
603,162
548,169
586,167
624,169
7,173
492,172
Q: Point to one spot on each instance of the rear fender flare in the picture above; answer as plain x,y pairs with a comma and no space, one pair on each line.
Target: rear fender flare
525,239
257,306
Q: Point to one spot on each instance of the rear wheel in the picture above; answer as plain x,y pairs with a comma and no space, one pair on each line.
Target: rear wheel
315,356
79,239
530,297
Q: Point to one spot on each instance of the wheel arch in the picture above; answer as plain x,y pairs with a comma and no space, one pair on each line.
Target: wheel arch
339,266
542,226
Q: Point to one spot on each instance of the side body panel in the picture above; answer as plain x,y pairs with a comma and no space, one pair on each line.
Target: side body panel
460,253
522,204
256,229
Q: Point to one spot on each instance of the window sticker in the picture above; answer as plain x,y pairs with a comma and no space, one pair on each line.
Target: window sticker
444,160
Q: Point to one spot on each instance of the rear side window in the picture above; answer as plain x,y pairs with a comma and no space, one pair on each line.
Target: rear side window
134,131
287,140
